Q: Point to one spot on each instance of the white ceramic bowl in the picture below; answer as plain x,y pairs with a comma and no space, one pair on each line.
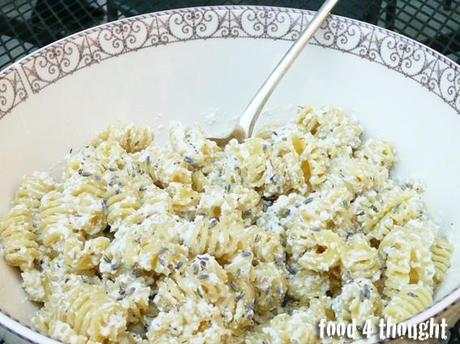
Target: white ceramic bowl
204,65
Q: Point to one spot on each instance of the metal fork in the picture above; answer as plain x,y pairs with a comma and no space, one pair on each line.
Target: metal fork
245,126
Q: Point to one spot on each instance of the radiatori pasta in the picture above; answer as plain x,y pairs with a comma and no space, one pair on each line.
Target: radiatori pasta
251,243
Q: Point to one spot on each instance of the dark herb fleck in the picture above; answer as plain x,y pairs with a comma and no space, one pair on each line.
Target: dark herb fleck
239,296
203,264
365,293
285,212
105,207
212,222
163,250
246,214
83,173
279,261
291,270
195,269
190,161
203,276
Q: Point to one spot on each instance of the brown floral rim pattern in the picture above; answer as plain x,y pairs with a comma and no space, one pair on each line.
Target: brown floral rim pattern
29,76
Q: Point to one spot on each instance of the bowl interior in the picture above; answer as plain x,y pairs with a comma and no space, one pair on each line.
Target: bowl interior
210,82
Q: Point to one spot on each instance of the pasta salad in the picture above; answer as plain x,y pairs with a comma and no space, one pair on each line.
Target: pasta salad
251,243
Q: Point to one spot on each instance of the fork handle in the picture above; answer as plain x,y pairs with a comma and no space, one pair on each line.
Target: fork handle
246,122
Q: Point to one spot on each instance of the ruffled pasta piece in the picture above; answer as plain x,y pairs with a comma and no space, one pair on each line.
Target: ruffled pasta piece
149,246
379,212
407,258
64,333
165,167
280,215
82,161
287,174
303,284
17,234
78,185
315,164
32,190
270,284
55,219
298,160
86,199
244,164
32,282
54,272
441,253
267,246
192,144
183,198
409,301
202,279
123,201
155,201
340,132
321,250
360,260
299,327
88,311
162,258
359,301
82,256
194,321
322,210
229,203
132,293
112,156
378,152
360,175
397,263
216,238
240,280
131,138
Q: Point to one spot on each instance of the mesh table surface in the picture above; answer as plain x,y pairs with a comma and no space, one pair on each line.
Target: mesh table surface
26,25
